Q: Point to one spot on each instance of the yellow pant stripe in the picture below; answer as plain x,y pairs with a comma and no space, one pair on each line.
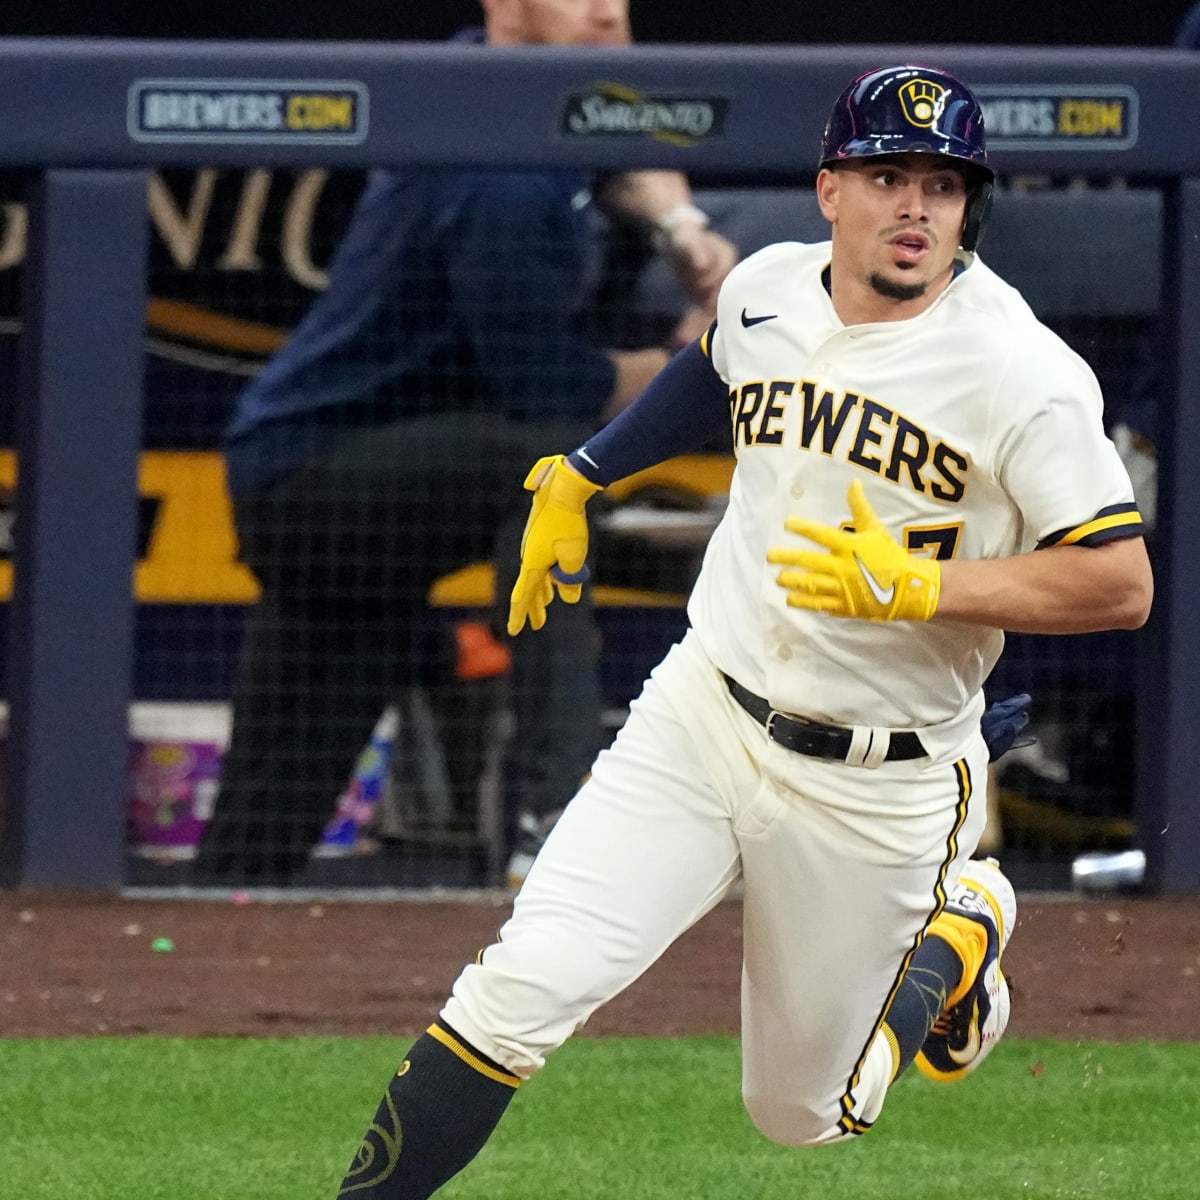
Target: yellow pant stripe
848,1122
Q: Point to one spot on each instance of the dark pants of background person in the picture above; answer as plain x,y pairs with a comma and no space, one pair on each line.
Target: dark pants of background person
345,549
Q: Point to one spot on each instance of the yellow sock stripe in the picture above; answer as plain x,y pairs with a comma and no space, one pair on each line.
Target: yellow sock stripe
473,1061
853,1125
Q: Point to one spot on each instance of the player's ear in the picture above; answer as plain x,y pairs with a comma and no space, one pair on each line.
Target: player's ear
975,215
827,193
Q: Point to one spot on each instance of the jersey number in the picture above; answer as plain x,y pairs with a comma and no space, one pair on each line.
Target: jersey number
928,541
933,541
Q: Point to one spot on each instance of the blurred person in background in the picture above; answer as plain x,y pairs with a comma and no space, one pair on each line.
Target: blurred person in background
1136,421
383,446
1187,36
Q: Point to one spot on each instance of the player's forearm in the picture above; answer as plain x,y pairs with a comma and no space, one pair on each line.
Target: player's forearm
644,197
661,201
683,406
1065,589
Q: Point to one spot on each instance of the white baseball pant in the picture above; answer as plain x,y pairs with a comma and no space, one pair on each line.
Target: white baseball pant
843,868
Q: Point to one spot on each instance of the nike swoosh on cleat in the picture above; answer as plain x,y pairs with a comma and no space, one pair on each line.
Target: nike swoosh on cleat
747,321
883,595
974,1041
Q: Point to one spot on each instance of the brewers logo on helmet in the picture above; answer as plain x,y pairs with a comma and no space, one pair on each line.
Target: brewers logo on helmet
922,102
914,110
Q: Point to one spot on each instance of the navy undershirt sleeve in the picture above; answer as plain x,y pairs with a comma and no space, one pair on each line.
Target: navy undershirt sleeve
684,406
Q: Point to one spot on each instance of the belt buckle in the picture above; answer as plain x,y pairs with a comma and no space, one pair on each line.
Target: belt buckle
770,724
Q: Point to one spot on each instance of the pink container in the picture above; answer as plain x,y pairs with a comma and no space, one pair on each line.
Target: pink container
174,771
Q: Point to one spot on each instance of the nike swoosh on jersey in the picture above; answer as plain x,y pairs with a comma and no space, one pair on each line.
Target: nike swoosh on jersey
748,321
883,595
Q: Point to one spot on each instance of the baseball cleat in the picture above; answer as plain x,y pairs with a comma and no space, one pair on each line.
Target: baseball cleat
977,921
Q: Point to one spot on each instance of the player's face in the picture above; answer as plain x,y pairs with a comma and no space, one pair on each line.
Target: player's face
559,22
897,222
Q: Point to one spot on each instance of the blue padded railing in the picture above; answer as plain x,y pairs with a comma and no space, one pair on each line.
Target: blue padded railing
90,118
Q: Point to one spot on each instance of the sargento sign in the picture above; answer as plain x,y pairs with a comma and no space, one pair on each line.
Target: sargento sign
1058,116
614,110
236,110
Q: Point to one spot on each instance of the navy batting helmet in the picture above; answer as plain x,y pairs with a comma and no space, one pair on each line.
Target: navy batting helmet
921,110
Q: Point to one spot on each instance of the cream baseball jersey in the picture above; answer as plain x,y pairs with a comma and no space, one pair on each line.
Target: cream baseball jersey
976,432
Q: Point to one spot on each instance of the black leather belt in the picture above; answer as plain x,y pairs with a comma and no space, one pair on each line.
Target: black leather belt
812,737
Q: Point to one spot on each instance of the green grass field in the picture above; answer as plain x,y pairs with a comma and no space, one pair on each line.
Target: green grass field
626,1119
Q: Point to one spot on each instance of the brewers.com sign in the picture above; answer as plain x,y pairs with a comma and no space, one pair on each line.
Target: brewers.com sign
241,110
1058,117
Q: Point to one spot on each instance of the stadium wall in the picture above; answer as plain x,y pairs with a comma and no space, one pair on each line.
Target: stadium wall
92,124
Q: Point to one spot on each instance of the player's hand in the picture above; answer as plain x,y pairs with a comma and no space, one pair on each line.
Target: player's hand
700,258
555,543
1002,723
864,573
692,325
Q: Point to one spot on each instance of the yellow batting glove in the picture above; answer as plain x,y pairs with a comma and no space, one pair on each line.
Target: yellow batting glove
555,543
865,573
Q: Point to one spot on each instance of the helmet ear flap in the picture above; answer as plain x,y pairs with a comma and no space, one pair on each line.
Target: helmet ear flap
979,207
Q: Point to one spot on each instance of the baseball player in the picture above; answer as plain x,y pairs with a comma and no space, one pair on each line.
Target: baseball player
920,466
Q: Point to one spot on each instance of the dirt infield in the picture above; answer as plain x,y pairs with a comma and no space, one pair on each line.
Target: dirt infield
1113,970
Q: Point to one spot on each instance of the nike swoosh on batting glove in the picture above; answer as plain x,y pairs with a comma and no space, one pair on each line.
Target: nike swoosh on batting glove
863,572
555,542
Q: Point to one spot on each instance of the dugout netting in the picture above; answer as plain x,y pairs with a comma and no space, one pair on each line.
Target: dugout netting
238,255
100,146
